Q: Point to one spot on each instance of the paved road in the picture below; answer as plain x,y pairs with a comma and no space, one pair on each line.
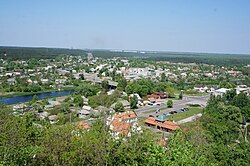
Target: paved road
177,104
189,119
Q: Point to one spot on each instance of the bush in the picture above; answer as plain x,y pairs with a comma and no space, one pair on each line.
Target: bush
119,107
170,104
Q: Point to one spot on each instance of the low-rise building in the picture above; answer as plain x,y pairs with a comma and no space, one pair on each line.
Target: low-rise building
123,124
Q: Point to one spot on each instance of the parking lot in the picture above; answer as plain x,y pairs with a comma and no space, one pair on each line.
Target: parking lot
145,111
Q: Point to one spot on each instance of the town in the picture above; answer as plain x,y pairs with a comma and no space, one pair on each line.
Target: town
160,91
131,95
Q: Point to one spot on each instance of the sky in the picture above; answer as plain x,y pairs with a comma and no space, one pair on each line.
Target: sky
209,26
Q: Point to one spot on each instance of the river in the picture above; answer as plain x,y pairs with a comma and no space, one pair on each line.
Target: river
18,99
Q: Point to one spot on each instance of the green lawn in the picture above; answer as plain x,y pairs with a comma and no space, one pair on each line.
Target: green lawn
150,111
186,114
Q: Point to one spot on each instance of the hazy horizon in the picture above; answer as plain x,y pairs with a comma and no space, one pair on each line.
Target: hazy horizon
168,26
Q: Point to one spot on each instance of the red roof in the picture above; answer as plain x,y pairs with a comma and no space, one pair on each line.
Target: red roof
169,125
83,125
125,115
151,99
150,120
120,126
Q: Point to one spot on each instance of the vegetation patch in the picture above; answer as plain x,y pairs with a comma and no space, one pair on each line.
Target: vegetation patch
147,112
194,105
186,114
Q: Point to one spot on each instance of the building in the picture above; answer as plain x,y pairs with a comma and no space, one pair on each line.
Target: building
123,124
201,88
159,95
161,122
220,92
83,125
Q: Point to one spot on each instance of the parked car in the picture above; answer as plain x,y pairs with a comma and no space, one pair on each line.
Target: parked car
158,104
178,111
172,112
150,103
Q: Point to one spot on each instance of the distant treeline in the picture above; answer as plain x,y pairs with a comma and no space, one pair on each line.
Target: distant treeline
29,52
207,59
215,59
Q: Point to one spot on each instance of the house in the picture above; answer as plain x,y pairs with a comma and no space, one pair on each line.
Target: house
2,69
243,89
123,124
162,123
45,81
19,107
128,116
43,115
220,92
61,98
52,118
18,72
112,84
159,95
201,88
29,81
83,125
87,108
125,104
85,100
60,81
211,89
8,74
104,110
152,100
169,126
54,103
137,95
150,121
48,107
11,81
83,113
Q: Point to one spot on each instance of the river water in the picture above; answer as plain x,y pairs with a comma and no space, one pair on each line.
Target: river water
18,99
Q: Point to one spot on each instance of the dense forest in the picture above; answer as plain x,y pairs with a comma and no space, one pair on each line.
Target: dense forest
23,53
220,137
215,59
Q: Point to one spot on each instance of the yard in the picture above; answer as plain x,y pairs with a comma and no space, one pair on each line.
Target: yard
182,115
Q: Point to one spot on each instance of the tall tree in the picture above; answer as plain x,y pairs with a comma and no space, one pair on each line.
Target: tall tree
133,102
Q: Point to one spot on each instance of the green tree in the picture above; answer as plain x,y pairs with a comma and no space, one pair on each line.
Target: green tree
35,98
133,102
78,100
241,100
87,90
122,83
119,107
170,103
81,76
105,85
170,91
163,77
181,95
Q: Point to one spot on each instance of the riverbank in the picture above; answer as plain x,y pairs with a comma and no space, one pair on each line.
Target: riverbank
27,98
15,94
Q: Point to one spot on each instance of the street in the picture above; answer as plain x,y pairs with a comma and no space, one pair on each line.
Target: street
145,111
